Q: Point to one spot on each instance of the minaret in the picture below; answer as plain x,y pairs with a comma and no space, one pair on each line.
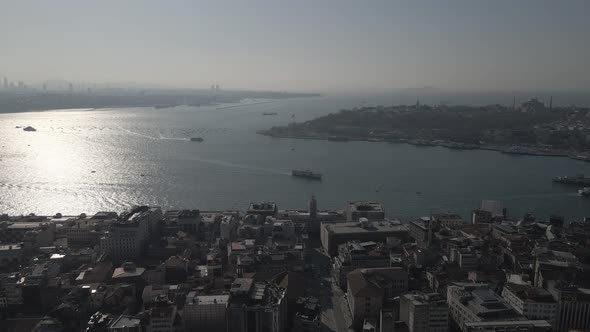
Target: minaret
417,103
551,103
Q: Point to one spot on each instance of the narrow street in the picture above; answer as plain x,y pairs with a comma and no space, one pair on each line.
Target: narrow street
335,313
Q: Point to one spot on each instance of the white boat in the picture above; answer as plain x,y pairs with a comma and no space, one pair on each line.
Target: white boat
584,191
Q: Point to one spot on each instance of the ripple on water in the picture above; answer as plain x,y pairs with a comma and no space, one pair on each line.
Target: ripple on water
234,165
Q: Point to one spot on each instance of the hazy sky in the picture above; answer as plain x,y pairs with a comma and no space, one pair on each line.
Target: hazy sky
301,44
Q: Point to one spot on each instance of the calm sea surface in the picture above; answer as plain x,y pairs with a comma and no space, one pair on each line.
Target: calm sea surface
51,170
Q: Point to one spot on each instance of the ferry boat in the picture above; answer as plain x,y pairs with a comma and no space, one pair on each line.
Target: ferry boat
306,174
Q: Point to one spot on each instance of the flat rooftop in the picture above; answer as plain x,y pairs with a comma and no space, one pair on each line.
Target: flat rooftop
427,298
210,217
8,247
26,225
384,226
241,285
264,206
128,272
420,223
181,214
447,216
366,206
105,215
125,321
193,298
535,323
530,294
506,228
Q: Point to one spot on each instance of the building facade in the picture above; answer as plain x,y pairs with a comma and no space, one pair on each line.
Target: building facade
355,255
424,312
419,231
534,303
369,210
126,238
474,307
449,220
368,289
256,307
206,312
573,309
465,258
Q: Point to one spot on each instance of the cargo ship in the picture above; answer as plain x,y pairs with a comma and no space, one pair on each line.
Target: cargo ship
306,174
197,139
580,179
269,113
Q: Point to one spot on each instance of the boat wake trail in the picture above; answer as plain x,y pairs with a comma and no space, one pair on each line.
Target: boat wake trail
137,134
160,136
173,138
242,166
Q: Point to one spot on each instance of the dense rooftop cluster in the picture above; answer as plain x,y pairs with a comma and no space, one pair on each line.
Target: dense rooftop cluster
291,270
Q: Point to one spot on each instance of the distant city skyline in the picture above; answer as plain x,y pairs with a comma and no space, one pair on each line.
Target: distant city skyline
303,45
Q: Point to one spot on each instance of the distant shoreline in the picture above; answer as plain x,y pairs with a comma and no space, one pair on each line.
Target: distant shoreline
85,109
505,149
19,103
532,128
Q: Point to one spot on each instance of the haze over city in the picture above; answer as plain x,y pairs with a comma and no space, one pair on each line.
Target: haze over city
301,45
294,166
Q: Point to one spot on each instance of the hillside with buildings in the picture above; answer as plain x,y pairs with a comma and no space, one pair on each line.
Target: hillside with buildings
532,127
